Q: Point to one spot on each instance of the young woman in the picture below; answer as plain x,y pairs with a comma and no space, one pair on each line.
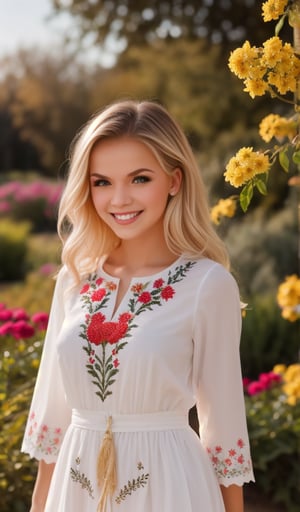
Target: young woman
145,322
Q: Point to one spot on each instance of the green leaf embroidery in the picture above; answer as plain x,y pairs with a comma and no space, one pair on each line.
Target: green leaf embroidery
80,478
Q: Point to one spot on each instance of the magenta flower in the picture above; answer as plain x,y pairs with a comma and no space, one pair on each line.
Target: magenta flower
40,320
22,330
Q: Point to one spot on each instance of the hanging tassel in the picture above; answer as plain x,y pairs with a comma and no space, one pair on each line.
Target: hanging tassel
106,467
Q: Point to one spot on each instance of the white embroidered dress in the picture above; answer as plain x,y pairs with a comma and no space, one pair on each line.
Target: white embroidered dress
173,342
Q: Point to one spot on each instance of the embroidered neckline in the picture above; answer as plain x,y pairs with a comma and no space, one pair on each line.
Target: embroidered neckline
103,338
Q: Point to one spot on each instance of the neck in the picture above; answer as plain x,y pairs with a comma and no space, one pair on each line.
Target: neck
136,256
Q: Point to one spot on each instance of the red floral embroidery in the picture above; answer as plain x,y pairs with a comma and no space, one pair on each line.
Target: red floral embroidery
145,297
167,293
102,364
158,283
84,289
98,295
232,464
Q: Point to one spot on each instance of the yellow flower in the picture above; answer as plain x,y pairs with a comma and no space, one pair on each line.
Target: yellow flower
279,368
224,208
35,363
272,9
245,165
255,87
244,61
275,126
271,53
288,298
292,372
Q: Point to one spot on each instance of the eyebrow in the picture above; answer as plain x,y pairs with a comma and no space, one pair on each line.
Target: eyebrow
132,173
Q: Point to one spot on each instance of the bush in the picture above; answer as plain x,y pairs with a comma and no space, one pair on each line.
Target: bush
35,201
21,349
273,414
13,249
266,337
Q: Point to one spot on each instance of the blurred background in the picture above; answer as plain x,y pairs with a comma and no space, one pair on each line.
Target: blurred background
62,60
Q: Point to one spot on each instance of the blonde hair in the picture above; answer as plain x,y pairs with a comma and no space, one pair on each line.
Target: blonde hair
187,224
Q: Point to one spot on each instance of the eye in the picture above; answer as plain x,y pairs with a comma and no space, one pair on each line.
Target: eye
100,183
141,179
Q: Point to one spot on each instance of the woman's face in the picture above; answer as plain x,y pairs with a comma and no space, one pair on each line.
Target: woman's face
129,188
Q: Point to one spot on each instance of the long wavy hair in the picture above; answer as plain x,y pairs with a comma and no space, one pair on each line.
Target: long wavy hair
187,225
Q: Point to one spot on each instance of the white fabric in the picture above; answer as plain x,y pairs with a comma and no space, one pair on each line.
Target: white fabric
173,342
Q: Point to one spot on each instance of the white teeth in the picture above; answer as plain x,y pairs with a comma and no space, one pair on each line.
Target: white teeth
125,216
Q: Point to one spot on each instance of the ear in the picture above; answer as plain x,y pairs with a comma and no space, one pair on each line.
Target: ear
176,180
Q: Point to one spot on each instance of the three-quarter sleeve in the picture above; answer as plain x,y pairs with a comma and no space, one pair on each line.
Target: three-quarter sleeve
217,377
49,414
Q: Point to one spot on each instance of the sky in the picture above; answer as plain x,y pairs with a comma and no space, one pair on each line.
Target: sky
28,23
24,23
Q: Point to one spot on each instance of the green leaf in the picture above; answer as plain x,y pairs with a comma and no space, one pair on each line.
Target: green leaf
280,24
246,196
296,157
284,160
261,186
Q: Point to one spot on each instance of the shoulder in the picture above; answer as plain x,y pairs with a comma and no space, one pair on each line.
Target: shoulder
206,272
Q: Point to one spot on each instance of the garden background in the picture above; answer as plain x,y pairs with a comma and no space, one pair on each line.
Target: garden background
175,52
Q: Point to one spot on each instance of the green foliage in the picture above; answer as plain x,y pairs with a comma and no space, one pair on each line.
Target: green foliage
267,338
13,249
274,431
19,361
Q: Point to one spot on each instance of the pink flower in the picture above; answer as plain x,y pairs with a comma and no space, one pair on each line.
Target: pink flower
145,298
116,363
99,281
232,453
240,443
20,314
98,295
218,449
240,459
22,330
268,379
158,283
228,462
41,320
47,269
6,328
5,314
246,382
167,293
255,388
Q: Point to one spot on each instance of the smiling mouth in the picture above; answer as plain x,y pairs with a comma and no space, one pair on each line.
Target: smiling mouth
125,216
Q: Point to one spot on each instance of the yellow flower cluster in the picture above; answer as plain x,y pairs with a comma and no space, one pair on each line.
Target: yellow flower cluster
224,208
291,381
246,164
272,9
277,126
288,298
274,65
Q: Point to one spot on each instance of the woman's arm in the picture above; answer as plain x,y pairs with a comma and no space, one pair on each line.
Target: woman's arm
41,488
233,498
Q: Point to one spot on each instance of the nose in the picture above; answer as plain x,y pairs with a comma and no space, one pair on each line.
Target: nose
120,196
